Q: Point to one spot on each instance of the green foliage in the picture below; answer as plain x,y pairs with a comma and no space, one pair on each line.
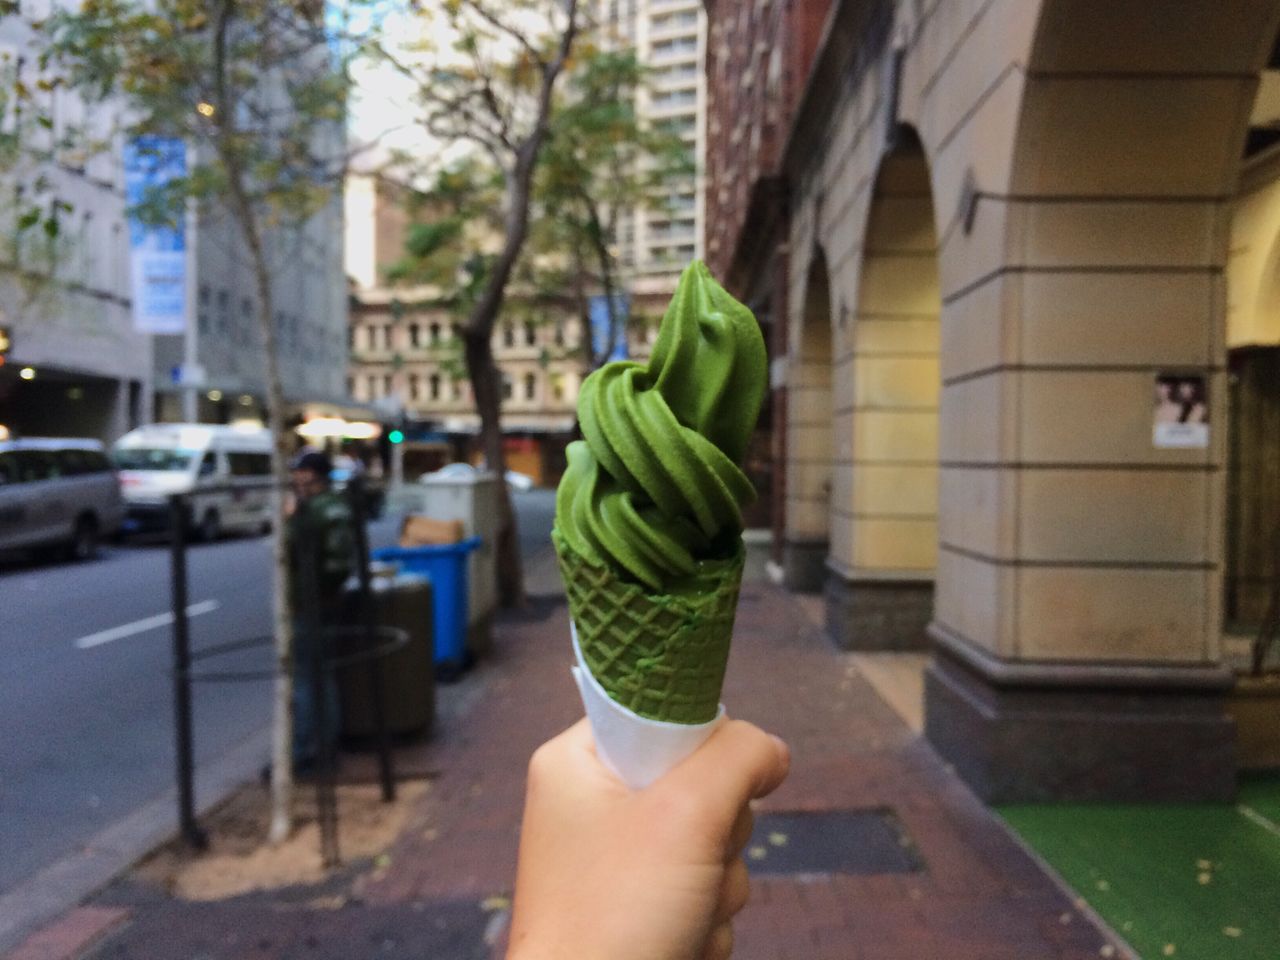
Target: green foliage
33,243
598,161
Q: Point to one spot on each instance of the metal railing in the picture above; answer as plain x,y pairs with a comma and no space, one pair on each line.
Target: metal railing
375,643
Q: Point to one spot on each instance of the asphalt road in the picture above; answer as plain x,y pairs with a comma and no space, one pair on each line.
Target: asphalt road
86,732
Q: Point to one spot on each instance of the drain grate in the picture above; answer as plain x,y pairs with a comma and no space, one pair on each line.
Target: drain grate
861,842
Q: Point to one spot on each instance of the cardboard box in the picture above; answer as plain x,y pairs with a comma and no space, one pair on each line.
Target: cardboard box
420,531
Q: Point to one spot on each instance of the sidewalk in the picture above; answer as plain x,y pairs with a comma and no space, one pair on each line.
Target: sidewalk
933,874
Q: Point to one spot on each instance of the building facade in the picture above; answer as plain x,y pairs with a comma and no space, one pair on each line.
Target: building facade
223,338
74,364
997,253
669,38
406,351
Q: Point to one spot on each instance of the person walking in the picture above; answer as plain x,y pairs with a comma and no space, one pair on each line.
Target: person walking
322,548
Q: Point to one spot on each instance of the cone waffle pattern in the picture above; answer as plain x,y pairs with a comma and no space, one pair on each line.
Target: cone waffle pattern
662,656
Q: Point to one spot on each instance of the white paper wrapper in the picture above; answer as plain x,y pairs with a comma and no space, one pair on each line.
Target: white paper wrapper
637,749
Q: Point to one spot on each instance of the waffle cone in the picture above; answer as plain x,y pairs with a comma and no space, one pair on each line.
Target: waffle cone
662,656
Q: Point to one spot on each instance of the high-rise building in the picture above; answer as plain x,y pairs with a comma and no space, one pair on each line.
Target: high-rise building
76,362
669,38
73,363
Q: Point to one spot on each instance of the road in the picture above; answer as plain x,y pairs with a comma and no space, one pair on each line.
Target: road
85,696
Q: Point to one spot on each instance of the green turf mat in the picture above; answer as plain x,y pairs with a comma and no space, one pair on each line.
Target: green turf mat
1195,882
1262,794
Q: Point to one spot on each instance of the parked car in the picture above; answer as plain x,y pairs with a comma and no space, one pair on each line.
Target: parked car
56,494
226,470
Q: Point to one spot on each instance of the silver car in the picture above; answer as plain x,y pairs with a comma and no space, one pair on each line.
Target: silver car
59,494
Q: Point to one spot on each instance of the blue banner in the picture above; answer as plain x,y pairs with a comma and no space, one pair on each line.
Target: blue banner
158,253
599,308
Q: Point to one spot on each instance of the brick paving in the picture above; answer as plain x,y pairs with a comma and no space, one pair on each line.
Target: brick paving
441,892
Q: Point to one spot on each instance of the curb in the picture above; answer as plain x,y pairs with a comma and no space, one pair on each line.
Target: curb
62,885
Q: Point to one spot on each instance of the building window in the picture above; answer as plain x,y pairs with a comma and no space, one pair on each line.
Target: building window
386,385
557,387
559,333
530,386
508,335
415,386
457,331
530,333
373,388
372,337
435,334
506,386
434,386
415,335
457,389
387,338
351,386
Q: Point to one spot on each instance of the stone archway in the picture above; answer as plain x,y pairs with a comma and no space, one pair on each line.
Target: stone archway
1079,582
885,493
809,457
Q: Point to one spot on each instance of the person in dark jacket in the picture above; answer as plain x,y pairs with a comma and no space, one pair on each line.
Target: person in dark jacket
322,548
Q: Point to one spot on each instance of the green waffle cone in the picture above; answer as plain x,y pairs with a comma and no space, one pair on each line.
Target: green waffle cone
662,656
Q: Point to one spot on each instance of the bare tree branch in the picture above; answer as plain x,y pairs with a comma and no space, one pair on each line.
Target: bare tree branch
487,15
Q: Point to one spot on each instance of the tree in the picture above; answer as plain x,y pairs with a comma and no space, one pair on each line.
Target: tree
32,241
600,162
256,89
492,87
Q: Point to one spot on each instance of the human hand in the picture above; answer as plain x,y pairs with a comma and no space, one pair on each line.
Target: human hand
607,873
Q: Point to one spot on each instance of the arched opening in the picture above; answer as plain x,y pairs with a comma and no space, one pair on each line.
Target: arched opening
1079,603
809,447
1252,517
884,511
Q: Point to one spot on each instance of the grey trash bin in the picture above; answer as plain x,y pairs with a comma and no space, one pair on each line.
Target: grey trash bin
408,674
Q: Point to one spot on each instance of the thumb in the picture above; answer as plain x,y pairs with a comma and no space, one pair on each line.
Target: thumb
738,763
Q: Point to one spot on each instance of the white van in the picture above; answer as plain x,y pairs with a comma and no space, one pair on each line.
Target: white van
232,465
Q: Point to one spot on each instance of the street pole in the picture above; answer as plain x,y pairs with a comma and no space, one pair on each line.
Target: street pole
191,342
191,831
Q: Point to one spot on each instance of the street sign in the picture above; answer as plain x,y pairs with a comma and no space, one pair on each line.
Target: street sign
188,375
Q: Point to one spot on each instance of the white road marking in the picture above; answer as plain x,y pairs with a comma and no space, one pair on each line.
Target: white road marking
142,626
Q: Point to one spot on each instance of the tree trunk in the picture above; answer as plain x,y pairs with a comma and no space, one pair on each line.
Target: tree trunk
600,244
482,370
486,382
281,602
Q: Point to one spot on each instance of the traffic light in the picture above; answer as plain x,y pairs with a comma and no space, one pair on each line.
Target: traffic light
396,436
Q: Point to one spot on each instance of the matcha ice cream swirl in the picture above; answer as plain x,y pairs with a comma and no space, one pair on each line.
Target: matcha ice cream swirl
656,488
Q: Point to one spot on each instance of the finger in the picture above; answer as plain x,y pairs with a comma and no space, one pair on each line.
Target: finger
739,762
741,834
719,944
735,891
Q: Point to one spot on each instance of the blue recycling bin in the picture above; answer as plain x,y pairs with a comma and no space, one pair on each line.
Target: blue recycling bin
445,565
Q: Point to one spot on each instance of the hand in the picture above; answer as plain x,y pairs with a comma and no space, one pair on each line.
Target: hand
607,873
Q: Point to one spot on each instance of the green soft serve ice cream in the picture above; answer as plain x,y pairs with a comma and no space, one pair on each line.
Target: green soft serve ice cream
649,512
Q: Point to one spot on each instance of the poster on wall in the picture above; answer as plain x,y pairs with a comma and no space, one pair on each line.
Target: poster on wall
157,251
1181,412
